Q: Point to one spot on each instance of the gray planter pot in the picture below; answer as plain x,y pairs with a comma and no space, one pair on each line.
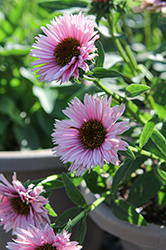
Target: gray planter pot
38,164
132,237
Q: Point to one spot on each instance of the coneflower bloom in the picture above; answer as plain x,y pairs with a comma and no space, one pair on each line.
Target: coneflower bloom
68,44
20,206
42,239
90,137
151,5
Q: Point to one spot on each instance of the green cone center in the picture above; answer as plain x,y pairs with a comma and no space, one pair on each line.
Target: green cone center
46,246
19,206
92,134
66,50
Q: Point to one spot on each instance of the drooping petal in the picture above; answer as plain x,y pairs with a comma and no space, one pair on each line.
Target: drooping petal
20,206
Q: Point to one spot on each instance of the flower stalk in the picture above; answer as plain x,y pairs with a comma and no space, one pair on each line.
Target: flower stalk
89,209
130,106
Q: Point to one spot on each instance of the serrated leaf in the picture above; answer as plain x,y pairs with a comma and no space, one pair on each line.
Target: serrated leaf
134,90
143,189
125,211
120,173
104,73
73,193
51,211
81,231
147,131
101,54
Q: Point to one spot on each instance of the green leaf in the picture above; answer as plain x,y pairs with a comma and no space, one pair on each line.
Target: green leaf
159,140
14,50
73,192
51,182
4,122
104,73
95,182
125,211
161,198
101,55
8,107
163,129
158,96
135,165
160,175
54,5
127,152
136,89
143,189
153,148
147,131
120,173
69,213
81,231
51,211
47,97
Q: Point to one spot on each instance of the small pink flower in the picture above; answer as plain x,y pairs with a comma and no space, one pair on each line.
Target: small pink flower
151,5
90,137
68,44
41,239
20,207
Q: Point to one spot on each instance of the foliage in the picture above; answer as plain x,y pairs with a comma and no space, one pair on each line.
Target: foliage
130,66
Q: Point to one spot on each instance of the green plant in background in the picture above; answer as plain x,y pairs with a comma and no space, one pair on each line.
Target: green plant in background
27,108
130,67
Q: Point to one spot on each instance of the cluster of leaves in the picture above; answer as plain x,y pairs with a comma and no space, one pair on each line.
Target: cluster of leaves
139,176
28,109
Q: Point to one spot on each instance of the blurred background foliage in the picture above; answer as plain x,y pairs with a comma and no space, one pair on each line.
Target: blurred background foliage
28,108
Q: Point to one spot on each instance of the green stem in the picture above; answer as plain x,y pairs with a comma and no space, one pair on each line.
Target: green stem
145,153
140,117
147,29
128,58
130,106
116,40
87,210
128,51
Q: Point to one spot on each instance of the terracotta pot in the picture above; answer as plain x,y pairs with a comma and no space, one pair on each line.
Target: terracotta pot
38,164
132,237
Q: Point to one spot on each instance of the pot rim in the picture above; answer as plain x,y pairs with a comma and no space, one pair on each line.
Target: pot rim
151,237
28,160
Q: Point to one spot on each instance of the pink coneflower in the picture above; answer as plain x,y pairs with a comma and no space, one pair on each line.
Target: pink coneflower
90,137
42,239
20,207
68,44
151,5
